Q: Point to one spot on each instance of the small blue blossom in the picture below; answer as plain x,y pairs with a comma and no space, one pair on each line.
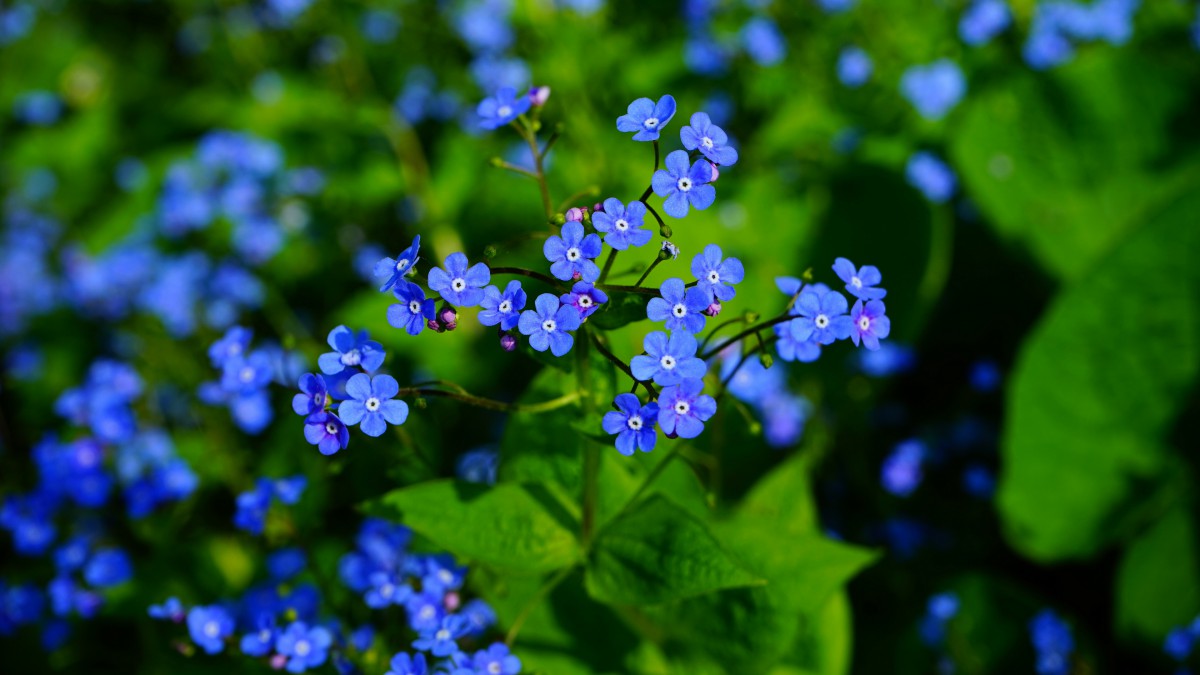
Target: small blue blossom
901,472
716,276
572,256
934,89
984,376
326,431
680,307
440,575
209,625
585,298
496,660
171,610
870,323
796,341
1053,643
507,105
647,118
414,310
393,270
425,611
668,361
233,344
480,615
305,647
1179,643
984,20
459,284
547,325
503,309
441,640
931,176
286,563
385,590
478,466
763,41
107,567
288,490
372,404
682,186
633,423
403,664
860,282
824,316
683,410
261,641
350,350
622,226
709,139
310,402
854,67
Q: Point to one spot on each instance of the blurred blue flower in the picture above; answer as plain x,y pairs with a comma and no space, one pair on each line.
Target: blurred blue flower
934,89
931,176
763,41
901,473
39,108
209,626
983,20
478,466
854,67
683,410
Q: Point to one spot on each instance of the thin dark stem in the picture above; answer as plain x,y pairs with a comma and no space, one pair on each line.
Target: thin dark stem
656,154
628,289
604,350
714,331
649,269
762,344
646,195
662,227
749,331
492,404
528,273
526,131
592,191
608,263
550,141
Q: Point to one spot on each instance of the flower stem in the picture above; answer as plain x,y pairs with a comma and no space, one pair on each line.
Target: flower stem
501,164
623,367
591,456
525,130
746,333
528,273
533,603
608,263
493,404
649,269
708,338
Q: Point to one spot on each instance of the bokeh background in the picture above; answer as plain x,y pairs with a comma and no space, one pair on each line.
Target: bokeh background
1025,174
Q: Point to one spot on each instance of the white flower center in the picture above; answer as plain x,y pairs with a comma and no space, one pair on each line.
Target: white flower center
621,224
504,111
458,284
684,184
442,634
211,629
856,282
650,123
635,422
445,576
351,358
706,142
822,321
264,635
667,362
714,277
680,310
372,404
585,301
549,326
303,648
319,399
494,668
401,264
331,428
426,612
414,306
247,374
573,254
682,408
505,307
864,323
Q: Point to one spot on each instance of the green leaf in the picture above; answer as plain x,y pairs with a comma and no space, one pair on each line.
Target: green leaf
622,308
826,642
511,527
656,553
784,498
1158,581
1097,386
1068,162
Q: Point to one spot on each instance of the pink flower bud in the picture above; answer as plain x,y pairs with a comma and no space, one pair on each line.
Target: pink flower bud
278,661
452,601
538,96
714,309
574,214
434,325
448,316
715,174
508,342
597,208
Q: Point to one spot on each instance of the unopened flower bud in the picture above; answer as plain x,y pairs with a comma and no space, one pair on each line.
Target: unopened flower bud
539,95
574,214
598,208
664,230
576,276
489,252
452,601
558,219
713,309
434,325
448,316
496,162
750,317
715,173
508,342
278,661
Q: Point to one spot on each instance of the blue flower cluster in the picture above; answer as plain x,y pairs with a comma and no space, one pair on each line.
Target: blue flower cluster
783,412
1058,25
1053,643
709,51
939,611
1180,643
901,473
821,313
934,89
254,505
246,375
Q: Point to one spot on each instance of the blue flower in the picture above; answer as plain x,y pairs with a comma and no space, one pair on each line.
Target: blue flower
425,611
716,276
763,42
403,664
260,642
441,640
170,610
647,118
854,67
682,308
796,341
305,648
507,105
983,20
385,591
682,186
683,410
252,507
869,323
931,176
285,563
459,284
350,350
935,88
107,567
633,423
622,226
1179,643
233,344
326,431
440,574
709,139
1053,643
860,282
478,466
394,269
503,309
371,403
547,326
668,361
246,374
414,311
480,615
288,490
824,316
496,660
310,402
573,254
901,471
585,298
209,625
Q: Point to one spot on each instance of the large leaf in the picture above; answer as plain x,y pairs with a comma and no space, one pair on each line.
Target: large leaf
1098,384
512,527
1067,163
1158,582
657,553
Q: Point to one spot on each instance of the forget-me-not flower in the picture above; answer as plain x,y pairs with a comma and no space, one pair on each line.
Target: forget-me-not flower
709,139
682,185
572,256
460,285
622,226
647,118
680,307
393,270
547,325
683,410
503,309
715,275
668,361
350,350
372,404
633,423
414,310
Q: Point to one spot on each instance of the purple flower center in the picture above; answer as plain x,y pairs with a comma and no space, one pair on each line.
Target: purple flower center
585,301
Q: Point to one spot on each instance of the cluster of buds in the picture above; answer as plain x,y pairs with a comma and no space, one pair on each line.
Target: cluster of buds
446,320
